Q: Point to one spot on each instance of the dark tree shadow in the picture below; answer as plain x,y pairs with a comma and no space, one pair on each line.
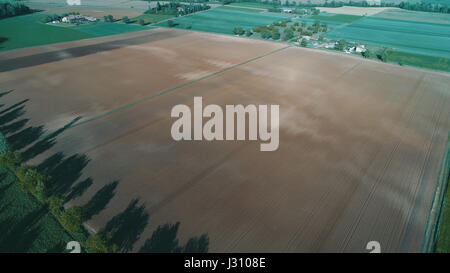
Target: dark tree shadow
12,114
100,199
19,237
58,248
2,40
19,104
13,127
3,93
25,137
79,189
47,142
197,244
4,188
63,172
127,226
164,240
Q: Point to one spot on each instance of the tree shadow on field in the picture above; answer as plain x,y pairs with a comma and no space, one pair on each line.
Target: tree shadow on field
127,226
47,142
164,240
2,40
19,237
63,171
19,104
3,93
100,199
79,189
14,126
12,114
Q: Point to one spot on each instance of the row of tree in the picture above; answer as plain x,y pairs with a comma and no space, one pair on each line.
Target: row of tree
416,6
10,9
176,8
57,17
37,184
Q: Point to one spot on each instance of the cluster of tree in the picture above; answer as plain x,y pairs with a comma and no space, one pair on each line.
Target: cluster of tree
299,11
126,20
268,32
57,17
424,6
176,8
417,6
381,54
109,18
289,31
341,45
10,9
37,184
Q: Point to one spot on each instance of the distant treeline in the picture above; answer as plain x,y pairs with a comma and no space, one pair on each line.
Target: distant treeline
176,8
10,9
418,6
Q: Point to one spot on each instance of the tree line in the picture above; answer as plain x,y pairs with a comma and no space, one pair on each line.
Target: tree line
11,9
415,6
176,8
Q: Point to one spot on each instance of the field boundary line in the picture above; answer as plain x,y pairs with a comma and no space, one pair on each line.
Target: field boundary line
432,225
165,91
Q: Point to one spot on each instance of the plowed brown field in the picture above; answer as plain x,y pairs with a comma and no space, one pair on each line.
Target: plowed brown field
360,141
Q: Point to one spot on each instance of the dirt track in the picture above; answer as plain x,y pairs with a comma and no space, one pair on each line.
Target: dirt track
360,141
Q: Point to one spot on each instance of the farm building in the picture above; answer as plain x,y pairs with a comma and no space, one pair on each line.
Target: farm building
77,19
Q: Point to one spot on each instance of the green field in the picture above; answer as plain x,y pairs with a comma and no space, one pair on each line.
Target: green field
252,5
419,60
105,29
151,18
406,36
25,225
443,240
409,15
27,30
337,18
224,20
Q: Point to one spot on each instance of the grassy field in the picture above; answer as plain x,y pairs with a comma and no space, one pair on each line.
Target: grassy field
25,225
409,15
337,18
224,20
151,18
419,60
443,240
27,30
407,36
105,29
252,5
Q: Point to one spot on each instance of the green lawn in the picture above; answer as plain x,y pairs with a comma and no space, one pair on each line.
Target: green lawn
443,242
405,36
105,29
25,225
252,5
27,30
225,19
151,18
337,18
418,60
